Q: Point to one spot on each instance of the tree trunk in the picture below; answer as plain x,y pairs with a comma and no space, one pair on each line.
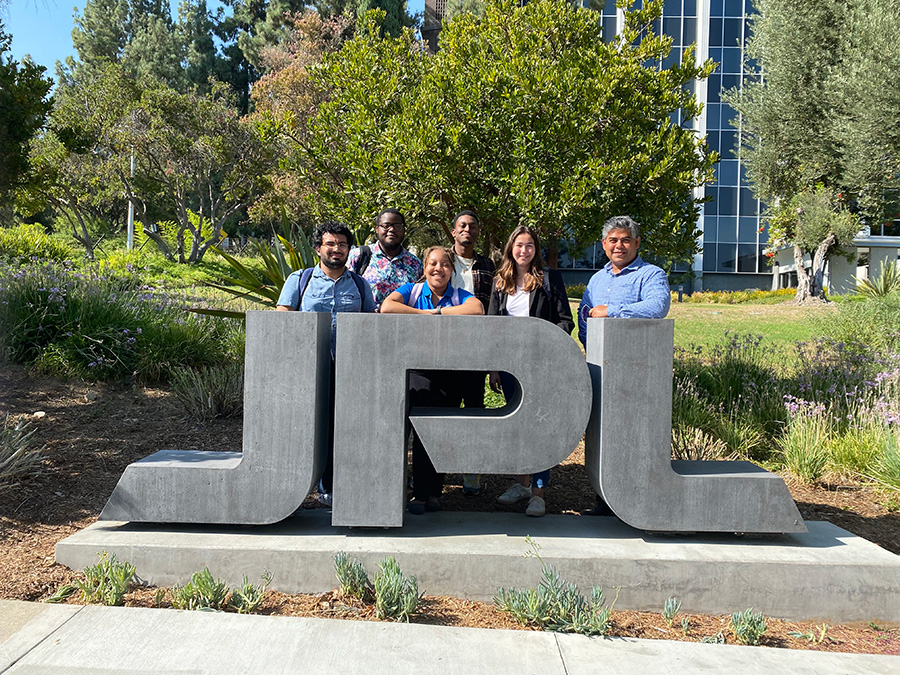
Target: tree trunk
553,252
810,285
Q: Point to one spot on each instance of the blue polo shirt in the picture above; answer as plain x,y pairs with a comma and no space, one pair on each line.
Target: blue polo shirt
324,294
426,300
639,291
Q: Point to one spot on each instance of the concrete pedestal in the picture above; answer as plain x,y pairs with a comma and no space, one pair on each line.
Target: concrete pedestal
826,573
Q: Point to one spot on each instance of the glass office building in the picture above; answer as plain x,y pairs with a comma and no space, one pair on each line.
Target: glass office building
733,237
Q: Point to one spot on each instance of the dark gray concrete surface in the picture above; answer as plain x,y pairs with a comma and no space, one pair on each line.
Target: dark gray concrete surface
537,430
286,388
628,445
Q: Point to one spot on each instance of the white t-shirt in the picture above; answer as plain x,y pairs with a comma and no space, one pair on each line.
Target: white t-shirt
518,303
462,274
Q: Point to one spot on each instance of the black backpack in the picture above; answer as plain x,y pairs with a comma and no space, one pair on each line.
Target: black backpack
362,261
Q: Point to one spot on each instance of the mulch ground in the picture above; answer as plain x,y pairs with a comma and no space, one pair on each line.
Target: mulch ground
93,431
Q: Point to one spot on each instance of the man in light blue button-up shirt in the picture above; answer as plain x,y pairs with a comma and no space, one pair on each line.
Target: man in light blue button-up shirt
331,288
626,287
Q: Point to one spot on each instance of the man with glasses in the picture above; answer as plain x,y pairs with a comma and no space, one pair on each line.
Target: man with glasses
328,287
474,273
386,265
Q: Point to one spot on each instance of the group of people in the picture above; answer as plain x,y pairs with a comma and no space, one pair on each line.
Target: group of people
386,277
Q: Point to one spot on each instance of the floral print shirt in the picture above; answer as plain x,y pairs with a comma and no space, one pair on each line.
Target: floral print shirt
385,275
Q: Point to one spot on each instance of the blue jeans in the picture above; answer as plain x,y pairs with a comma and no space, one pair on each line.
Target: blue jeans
508,384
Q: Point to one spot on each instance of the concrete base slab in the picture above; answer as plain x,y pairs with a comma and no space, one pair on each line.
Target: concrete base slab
106,640
827,573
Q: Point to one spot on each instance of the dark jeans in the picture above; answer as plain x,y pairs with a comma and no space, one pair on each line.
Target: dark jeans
328,472
433,388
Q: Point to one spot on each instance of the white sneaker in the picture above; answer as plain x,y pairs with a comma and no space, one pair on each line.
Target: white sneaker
535,507
325,498
516,493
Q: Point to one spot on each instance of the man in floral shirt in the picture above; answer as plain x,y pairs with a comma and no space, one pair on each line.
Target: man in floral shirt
386,265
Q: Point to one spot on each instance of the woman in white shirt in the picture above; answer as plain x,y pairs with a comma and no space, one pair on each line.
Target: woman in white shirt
524,287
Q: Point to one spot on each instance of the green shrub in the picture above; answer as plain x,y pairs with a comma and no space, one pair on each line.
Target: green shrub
886,465
247,597
211,392
748,627
738,297
867,327
107,582
555,605
201,592
20,459
886,282
105,326
575,291
27,243
352,577
805,444
396,596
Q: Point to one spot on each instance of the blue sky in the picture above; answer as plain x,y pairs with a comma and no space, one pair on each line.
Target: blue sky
43,28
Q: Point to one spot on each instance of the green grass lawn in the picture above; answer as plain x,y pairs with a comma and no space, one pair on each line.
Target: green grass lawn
780,324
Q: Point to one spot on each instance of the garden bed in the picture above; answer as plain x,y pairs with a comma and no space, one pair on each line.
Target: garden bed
92,432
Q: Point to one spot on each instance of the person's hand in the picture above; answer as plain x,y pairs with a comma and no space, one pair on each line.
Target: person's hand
494,382
598,312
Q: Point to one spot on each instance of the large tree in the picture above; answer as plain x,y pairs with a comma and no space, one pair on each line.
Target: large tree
821,119
24,105
526,115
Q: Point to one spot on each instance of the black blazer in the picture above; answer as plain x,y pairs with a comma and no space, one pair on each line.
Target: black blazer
548,302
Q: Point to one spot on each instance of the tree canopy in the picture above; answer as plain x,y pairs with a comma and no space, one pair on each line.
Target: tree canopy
526,115
822,119
24,105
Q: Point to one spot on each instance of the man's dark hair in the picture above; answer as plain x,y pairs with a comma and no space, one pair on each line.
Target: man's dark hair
332,227
396,212
465,212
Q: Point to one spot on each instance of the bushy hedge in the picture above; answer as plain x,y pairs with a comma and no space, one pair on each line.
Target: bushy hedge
25,243
103,325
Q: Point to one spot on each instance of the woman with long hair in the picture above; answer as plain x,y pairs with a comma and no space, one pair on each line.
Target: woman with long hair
434,295
523,286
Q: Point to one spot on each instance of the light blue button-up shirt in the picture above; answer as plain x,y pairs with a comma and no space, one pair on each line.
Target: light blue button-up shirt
640,291
324,294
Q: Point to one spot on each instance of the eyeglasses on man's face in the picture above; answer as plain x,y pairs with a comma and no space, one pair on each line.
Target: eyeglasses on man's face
334,244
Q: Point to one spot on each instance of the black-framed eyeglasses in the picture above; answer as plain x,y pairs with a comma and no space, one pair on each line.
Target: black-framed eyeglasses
391,226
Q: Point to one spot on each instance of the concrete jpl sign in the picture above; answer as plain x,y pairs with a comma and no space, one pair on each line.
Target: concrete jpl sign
621,396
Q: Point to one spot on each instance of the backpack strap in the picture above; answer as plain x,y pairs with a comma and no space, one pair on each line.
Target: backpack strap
363,259
305,276
362,286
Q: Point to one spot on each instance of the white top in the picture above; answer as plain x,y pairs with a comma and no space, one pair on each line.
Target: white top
518,303
462,274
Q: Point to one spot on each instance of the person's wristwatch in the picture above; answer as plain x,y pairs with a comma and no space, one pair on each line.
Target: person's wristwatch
437,310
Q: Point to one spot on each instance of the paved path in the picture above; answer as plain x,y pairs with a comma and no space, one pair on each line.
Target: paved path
56,640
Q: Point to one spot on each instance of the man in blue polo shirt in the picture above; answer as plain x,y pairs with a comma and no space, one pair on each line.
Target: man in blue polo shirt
626,287
330,288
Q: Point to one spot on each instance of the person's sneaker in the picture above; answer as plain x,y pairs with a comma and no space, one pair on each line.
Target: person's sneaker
516,493
325,498
416,508
472,484
535,507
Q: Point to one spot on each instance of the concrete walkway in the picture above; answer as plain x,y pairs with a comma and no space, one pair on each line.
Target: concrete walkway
56,640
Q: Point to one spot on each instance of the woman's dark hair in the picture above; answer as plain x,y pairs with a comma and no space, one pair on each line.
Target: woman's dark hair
505,278
335,228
